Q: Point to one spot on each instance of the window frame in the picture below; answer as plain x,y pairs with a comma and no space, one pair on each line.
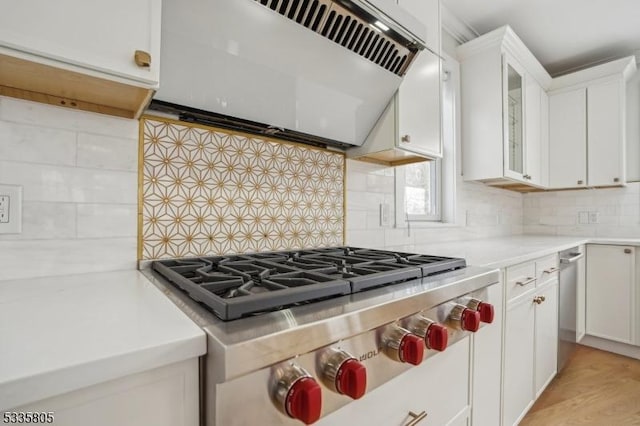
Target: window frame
435,191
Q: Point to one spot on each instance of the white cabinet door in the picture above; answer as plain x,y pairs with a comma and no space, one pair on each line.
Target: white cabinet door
439,386
533,131
514,118
101,36
518,377
419,121
610,292
546,336
568,139
605,130
419,117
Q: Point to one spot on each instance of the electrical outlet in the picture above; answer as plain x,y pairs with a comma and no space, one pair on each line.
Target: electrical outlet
5,205
583,218
385,216
10,209
594,217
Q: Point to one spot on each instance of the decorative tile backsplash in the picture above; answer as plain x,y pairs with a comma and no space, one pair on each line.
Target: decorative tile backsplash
206,191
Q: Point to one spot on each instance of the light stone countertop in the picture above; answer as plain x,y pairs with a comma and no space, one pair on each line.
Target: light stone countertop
507,251
59,334
63,333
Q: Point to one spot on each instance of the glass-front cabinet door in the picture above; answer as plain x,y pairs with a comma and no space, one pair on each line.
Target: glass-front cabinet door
513,90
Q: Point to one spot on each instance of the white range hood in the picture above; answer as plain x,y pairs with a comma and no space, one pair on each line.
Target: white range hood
320,71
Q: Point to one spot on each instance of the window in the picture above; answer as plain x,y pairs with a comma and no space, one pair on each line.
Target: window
418,192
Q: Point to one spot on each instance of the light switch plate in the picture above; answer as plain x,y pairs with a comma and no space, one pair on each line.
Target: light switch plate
594,217
10,209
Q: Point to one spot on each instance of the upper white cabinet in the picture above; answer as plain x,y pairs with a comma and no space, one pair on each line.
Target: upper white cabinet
567,137
503,105
103,56
410,128
588,127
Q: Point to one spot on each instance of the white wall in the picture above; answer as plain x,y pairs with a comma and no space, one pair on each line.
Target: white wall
557,213
79,176
481,211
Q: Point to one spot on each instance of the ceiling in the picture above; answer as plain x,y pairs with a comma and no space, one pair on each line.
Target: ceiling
563,34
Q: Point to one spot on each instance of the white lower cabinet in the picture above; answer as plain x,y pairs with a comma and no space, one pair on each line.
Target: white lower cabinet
165,396
438,387
530,336
519,356
611,292
546,336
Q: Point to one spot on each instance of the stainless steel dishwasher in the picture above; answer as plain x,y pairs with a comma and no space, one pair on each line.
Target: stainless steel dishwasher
567,317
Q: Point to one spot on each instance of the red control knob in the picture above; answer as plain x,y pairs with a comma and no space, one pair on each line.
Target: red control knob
304,400
411,349
437,337
351,379
486,312
470,320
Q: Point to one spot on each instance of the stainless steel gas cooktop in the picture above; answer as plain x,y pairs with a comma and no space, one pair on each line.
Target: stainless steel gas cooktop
242,285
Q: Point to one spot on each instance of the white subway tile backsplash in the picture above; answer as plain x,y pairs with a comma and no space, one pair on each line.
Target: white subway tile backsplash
105,152
107,220
40,258
618,212
20,111
48,221
365,238
357,182
20,142
356,219
70,184
61,162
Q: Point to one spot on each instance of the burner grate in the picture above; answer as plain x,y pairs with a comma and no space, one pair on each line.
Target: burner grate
239,285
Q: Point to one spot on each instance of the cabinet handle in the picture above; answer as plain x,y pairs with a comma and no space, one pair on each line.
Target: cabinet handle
616,179
527,177
627,251
580,182
539,299
416,418
550,270
528,281
406,138
142,59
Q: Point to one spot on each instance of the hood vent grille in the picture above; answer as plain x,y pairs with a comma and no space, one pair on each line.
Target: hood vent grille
350,27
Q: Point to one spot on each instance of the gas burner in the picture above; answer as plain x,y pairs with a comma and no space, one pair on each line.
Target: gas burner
240,285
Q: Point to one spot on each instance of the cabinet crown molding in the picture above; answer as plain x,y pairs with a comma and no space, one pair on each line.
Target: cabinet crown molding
624,67
508,41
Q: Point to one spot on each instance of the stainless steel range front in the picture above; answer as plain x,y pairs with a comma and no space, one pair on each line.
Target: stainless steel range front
295,336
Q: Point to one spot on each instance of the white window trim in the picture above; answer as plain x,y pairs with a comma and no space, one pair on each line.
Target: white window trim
436,193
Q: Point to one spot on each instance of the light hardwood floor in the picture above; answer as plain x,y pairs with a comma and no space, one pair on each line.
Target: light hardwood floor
596,388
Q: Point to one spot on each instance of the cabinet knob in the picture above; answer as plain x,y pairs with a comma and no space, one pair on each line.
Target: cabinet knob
142,59
616,179
580,182
627,251
405,138
539,299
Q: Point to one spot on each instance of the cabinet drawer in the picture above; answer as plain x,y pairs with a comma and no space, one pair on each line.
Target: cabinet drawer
546,269
520,279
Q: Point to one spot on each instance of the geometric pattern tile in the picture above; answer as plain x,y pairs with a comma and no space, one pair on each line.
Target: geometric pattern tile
208,191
